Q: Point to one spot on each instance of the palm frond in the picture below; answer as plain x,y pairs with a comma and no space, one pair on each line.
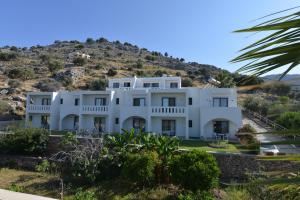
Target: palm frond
279,49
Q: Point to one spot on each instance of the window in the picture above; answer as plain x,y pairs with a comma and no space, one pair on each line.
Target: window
117,121
138,123
117,101
116,85
127,84
190,123
190,101
146,85
221,127
100,101
155,85
76,102
174,85
61,101
169,127
168,101
46,101
138,101
220,102
30,118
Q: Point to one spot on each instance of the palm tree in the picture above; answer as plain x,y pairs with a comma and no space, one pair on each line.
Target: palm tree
279,49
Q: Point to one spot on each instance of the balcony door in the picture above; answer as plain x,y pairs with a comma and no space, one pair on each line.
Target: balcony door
45,121
168,102
139,124
46,101
99,124
169,127
100,101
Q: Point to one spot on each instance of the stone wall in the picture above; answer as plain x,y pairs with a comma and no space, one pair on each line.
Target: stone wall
238,166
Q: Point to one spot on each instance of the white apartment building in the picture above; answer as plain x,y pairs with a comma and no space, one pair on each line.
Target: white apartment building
156,104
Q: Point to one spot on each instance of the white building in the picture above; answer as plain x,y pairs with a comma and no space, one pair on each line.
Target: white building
157,104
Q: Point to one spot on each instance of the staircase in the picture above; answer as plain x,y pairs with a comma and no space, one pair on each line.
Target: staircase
262,121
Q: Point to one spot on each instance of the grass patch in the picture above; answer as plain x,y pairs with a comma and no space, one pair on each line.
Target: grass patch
209,146
282,158
49,186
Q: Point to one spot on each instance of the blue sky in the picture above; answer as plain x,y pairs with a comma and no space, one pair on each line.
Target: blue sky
197,30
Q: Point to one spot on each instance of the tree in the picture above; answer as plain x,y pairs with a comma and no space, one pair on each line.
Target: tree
290,120
14,83
111,72
278,49
225,79
186,82
24,73
97,84
79,61
89,41
54,65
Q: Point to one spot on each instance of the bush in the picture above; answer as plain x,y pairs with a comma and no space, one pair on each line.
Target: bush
98,84
284,99
54,65
256,104
140,167
79,61
150,58
290,120
5,108
199,195
139,64
247,128
276,88
187,82
21,73
14,83
101,40
28,141
111,72
84,195
90,40
79,46
7,56
159,73
48,85
195,170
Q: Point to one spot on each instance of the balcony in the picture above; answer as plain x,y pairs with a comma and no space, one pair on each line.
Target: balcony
169,111
39,108
87,109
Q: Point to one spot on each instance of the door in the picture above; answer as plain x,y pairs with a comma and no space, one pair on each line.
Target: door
169,127
99,124
139,124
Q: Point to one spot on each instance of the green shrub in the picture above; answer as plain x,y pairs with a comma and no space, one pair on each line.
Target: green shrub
7,56
247,128
186,82
54,65
256,104
290,120
280,89
150,58
139,64
98,84
21,73
84,195
26,141
195,170
68,139
5,108
16,188
48,85
90,40
79,46
140,167
111,72
79,61
14,83
198,195
44,166
284,99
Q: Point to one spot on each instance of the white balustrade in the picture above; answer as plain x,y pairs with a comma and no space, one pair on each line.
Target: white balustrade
93,109
168,110
39,108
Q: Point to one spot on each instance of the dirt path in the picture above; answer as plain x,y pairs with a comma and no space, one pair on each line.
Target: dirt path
9,195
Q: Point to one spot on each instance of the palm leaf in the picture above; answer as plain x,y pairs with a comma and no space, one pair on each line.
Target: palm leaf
279,49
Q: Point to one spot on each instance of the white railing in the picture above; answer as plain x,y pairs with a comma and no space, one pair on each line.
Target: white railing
168,110
86,108
39,108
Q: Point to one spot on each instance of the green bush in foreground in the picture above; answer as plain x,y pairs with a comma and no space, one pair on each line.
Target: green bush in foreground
140,167
84,195
26,141
195,170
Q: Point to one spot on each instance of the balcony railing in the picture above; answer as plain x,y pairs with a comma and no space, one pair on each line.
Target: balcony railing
168,110
39,108
94,109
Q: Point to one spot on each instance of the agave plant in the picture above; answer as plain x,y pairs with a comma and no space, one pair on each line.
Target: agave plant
279,49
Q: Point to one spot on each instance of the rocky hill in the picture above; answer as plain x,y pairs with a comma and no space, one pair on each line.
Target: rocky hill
74,65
